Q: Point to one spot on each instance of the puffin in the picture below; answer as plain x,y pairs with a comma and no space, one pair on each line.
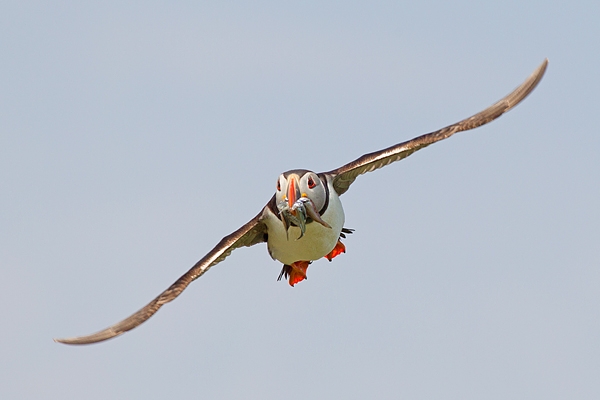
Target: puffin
304,220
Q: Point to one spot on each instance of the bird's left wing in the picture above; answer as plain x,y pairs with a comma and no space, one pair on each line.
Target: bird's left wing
250,234
345,175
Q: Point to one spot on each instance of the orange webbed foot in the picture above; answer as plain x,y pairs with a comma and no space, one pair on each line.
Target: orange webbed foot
337,250
296,272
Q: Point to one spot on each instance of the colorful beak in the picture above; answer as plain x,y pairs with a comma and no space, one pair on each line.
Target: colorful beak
293,192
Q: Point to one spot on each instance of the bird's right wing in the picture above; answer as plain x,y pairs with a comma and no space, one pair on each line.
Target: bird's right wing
345,175
250,234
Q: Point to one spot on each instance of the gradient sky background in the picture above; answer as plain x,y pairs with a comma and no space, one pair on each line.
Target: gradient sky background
134,135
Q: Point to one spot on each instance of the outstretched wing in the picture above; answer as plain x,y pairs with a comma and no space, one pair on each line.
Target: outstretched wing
250,234
345,175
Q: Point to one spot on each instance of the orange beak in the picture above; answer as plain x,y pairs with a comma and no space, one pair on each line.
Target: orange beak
293,193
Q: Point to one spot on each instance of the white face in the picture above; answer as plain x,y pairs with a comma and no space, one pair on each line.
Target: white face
306,183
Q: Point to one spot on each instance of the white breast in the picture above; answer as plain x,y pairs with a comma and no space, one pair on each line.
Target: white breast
317,240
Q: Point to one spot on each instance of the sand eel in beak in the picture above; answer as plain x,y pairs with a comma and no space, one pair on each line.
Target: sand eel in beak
304,220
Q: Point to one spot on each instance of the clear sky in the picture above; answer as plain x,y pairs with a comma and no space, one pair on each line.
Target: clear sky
134,135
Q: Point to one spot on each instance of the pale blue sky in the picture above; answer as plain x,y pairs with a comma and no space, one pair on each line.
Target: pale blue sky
133,136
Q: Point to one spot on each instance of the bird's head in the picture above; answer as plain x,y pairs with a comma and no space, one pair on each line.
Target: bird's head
299,197
295,184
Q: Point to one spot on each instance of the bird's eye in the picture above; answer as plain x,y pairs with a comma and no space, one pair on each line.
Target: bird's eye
311,183
278,185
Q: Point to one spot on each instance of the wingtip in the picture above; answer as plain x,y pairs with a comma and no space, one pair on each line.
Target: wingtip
97,337
91,339
65,341
541,70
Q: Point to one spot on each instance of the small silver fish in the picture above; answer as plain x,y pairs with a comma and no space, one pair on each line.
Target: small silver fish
298,214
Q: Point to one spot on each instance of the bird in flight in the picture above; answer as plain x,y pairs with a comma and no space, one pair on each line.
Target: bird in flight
304,220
